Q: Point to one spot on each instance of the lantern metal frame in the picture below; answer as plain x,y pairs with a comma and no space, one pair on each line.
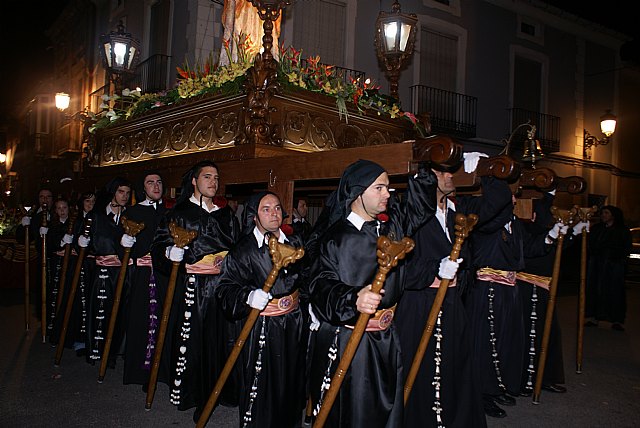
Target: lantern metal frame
394,59
115,62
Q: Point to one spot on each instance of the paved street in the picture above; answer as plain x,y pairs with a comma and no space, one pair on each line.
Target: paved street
34,393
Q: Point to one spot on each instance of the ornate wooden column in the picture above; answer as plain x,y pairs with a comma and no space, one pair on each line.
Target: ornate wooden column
261,84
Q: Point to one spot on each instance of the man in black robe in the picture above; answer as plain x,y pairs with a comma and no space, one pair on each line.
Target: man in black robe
148,288
340,288
534,289
273,360
33,221
446,391
76,336
495,306
57,238
104,242
609,246
200,331
300,224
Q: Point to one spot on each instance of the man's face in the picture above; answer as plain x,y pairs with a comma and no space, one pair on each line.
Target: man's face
45,197
302,208
206,183
375,198
153,187
122,195
445,181
62,209
269,217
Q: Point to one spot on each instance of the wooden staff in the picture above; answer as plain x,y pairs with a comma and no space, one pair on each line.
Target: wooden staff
65,262
27,309
585,215
389,253
568,218
72,293
43,287
464,225
281,255
181,238
131,228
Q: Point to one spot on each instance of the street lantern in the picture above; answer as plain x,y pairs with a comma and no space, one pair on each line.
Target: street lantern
608,123
62,101
120,51
395,38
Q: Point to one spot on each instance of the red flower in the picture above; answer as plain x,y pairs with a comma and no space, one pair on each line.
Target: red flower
169,202
220,201
183,73
287,229
383,217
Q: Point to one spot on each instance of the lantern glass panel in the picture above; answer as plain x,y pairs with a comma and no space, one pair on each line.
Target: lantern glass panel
404,36
107,54
62,101
120,49
390,36
608,127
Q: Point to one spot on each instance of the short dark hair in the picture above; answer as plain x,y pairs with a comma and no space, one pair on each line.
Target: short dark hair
194,171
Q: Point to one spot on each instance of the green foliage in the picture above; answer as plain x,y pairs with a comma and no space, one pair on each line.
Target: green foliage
211,79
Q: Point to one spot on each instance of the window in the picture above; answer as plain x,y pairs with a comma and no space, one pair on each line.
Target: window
529,29
527,86
438,59
318,28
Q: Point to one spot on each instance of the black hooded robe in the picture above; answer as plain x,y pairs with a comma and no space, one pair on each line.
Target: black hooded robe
535,307
280,383
200,332
146,298
460,401
371,394
76,335
495,309
105,241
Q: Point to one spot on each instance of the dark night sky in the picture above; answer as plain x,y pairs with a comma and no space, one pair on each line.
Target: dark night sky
26,51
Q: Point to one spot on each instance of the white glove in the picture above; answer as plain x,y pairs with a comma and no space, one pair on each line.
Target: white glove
448,268
83,241
26,221
557,229
66,239
471,160
315,323
43,230
174,253
258,299
127,241
578,228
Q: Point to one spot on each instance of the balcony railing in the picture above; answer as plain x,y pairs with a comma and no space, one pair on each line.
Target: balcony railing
346,74
450,113
152,74
547,128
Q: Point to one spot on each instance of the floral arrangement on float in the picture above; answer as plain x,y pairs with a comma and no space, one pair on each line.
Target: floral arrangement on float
210,78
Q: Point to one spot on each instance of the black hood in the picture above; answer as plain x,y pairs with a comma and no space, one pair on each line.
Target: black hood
251,210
